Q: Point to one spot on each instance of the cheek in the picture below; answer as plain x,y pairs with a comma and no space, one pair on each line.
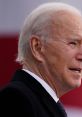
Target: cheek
66,55
58,57
62,61
56,62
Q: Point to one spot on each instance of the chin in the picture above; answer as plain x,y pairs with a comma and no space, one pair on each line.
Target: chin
76,85
74,82
72,85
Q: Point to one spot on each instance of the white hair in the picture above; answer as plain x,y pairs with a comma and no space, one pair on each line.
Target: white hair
38,22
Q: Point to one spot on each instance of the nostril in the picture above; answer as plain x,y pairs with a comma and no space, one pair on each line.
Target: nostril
79,57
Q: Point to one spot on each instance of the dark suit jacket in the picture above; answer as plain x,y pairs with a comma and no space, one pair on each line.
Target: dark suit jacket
26,97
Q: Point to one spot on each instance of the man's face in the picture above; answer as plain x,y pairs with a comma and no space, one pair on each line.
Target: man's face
63,53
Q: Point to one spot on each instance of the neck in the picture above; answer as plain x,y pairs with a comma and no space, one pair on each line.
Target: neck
43,73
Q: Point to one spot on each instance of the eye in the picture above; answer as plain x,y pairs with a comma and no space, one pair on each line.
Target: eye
73,44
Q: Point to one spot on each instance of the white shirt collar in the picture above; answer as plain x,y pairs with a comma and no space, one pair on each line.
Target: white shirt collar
44,84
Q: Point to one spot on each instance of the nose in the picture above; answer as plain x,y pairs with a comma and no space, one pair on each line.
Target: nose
79,57
79,54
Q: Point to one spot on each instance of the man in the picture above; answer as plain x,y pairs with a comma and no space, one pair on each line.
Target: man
50,51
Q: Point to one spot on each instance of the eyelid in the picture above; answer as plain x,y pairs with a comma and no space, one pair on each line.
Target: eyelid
76,43
73,43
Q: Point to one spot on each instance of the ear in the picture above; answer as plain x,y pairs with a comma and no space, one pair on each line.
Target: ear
36,47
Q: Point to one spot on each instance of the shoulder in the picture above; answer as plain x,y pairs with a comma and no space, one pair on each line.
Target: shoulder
13,99
9,92
15,91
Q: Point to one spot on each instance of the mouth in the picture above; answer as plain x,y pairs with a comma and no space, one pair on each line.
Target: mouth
77,70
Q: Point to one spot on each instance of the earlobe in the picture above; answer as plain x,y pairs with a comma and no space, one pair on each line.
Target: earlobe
36,47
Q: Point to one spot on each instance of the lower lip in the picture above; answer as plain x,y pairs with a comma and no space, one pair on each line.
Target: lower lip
76,74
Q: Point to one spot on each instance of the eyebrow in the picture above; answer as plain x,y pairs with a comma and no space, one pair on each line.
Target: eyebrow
75,39
71,39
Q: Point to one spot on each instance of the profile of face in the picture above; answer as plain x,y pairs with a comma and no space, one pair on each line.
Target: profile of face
63,53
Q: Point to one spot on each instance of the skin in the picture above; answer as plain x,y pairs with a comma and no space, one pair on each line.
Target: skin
59,60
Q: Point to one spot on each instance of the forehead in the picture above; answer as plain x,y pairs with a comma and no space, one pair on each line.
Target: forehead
67,25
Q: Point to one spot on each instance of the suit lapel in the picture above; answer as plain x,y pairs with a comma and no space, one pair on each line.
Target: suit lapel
37,88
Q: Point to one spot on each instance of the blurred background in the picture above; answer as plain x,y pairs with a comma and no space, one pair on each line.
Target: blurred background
12,15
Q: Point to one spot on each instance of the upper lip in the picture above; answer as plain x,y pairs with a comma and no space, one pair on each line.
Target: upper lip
76,69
